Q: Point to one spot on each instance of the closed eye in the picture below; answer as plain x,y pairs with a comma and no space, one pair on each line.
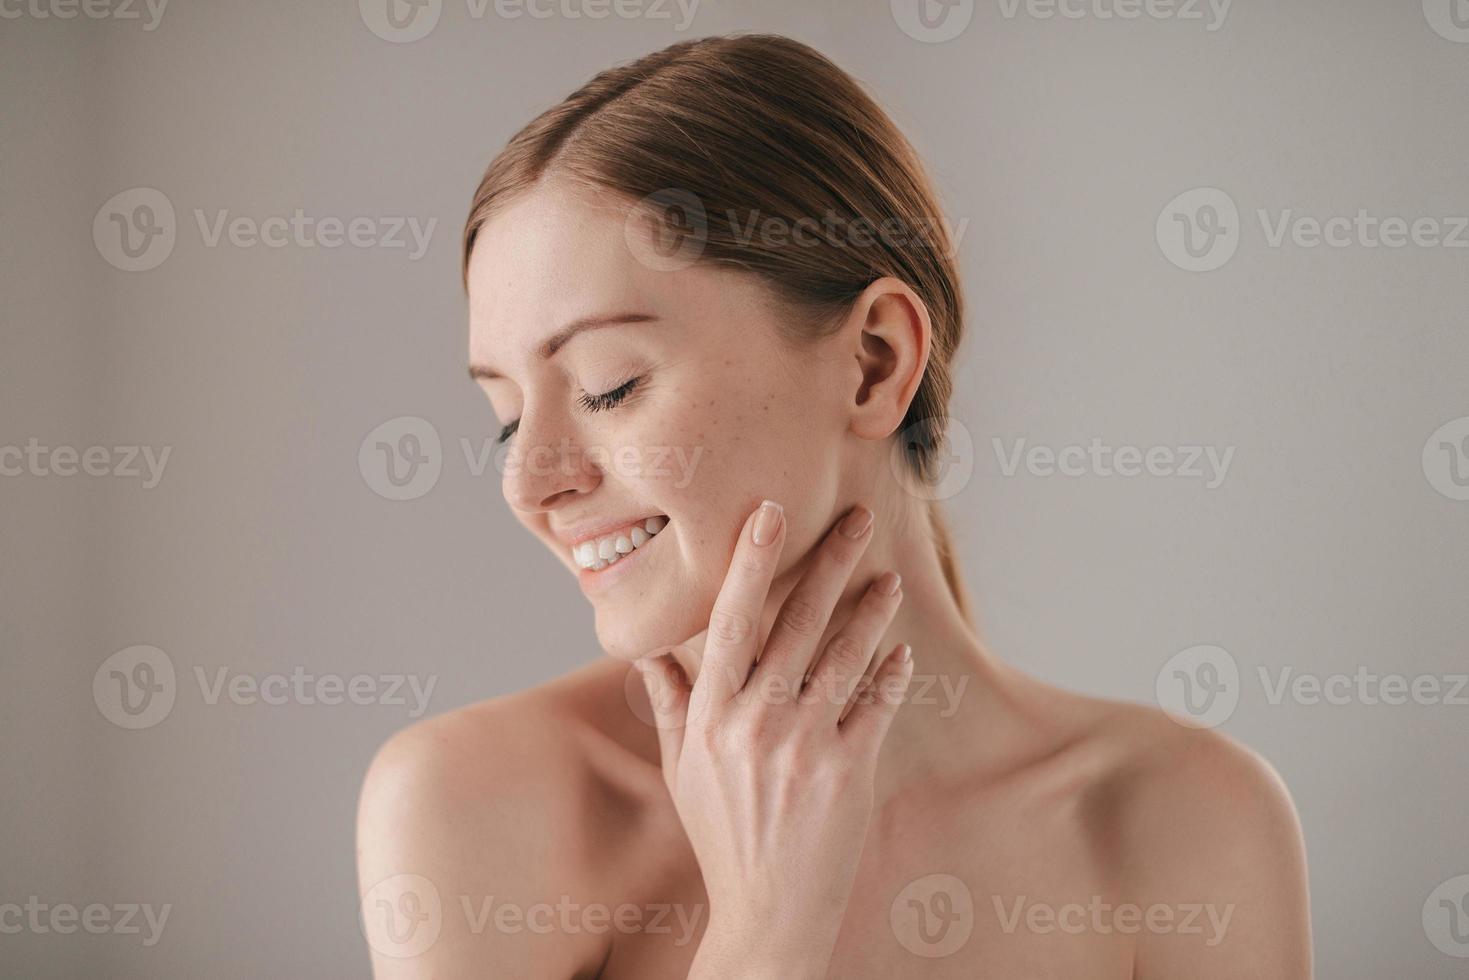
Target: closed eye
589,402
606,400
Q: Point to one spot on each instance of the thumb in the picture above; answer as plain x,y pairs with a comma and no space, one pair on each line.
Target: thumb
668,694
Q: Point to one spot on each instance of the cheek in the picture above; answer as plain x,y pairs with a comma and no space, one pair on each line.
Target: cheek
739,426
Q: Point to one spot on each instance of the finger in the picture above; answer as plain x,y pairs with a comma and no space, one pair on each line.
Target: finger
668,694
792,645
732,640
844,662
872,714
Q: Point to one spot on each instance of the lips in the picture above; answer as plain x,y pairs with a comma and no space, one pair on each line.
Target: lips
597,551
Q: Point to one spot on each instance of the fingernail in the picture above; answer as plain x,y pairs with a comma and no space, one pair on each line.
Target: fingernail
905,654
767,522
889,582
855,524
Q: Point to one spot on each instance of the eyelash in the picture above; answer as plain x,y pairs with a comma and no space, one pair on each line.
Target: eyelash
589,403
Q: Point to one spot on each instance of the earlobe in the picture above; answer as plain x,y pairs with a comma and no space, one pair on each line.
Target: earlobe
893,335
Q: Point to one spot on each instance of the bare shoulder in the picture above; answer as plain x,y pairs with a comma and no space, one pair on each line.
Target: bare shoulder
486,808
1200,828
1170,774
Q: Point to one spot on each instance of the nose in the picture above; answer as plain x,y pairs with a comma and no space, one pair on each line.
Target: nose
546,466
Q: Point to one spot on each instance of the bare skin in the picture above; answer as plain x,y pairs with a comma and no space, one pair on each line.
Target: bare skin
1076,837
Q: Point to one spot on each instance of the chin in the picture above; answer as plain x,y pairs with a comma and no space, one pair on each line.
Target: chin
631,634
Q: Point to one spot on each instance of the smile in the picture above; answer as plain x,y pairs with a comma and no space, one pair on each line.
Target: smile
597,553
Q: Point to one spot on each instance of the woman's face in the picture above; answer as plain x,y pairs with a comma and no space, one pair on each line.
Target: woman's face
676,400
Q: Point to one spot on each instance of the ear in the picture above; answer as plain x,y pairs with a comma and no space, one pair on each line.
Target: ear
890,335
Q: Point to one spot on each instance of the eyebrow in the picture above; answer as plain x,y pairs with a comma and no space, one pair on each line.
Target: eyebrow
552,344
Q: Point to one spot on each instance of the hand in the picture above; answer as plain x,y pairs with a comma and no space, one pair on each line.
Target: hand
772,777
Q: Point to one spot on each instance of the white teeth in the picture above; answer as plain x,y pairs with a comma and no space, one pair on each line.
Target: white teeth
607,550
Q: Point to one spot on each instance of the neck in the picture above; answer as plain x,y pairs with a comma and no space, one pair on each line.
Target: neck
953,673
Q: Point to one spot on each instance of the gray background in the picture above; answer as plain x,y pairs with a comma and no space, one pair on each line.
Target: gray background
1059,141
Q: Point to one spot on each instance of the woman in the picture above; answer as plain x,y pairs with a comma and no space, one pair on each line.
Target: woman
714,304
